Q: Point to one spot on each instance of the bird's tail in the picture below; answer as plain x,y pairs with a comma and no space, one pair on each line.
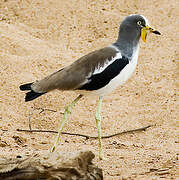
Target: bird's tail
31,95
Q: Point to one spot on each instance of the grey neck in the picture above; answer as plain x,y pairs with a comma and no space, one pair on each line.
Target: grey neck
127,41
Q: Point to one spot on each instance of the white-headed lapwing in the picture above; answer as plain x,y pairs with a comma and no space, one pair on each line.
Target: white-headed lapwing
97,73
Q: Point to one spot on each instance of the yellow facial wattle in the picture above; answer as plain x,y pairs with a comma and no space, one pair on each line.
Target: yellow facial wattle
144,34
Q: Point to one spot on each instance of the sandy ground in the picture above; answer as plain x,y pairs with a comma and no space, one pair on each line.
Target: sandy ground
40,37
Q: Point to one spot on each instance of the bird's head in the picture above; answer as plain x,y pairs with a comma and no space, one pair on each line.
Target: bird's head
139,24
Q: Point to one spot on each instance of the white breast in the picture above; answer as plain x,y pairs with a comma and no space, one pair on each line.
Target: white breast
123,76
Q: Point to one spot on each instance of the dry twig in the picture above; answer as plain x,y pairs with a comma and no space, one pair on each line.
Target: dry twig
86,136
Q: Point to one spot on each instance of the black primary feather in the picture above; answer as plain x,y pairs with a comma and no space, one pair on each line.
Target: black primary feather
30,95
25,87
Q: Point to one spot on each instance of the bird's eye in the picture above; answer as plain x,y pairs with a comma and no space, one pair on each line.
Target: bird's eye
139,23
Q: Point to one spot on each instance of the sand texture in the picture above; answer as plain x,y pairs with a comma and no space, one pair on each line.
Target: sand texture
38,37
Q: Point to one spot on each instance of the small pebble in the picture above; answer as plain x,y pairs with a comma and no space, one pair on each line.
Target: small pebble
18,156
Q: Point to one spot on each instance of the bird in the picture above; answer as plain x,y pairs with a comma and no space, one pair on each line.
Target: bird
97,73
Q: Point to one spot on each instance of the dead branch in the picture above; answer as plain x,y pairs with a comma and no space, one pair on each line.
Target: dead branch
45,165
86,136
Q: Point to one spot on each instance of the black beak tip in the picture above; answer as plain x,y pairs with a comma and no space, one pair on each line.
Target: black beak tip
157,32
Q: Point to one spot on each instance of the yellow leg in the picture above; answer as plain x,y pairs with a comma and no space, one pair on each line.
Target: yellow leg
66,113
98,124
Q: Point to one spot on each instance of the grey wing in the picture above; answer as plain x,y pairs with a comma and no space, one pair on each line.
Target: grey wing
78,73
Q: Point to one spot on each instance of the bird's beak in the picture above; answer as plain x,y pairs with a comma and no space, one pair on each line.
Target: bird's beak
147,29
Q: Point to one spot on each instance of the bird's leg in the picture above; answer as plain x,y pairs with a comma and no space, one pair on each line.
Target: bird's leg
98,124
66,113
